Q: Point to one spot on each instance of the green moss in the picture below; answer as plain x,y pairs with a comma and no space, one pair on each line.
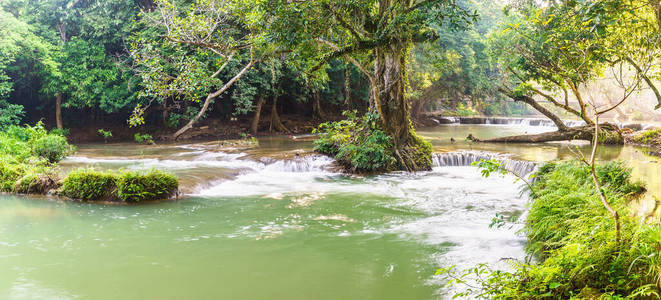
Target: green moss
421,151
128,186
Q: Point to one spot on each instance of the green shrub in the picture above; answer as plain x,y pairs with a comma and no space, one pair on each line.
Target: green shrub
10,171
154,185
60,131
27,142
88,184
573,238
129,186
53,148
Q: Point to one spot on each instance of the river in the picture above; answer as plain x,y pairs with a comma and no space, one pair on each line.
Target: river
266,223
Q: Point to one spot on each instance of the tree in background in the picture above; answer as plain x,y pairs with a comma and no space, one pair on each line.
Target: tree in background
88,39
456,67
19,46
187,51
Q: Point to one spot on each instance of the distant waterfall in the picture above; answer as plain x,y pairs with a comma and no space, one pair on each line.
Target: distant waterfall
467,158
506,121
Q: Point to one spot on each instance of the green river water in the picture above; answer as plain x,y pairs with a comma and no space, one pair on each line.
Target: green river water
267,224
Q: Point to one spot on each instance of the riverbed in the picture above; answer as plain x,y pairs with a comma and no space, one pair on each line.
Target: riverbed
276,223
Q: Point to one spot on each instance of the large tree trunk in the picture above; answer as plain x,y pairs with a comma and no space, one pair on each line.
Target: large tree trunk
391,104
610,134
58,110
255,120
276,123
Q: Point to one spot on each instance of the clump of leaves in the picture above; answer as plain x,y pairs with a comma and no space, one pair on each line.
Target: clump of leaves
88,184
105,134
144,139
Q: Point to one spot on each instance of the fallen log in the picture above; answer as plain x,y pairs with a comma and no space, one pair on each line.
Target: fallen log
610,135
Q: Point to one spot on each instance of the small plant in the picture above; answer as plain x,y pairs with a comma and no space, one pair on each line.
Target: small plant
105,134
60,131
144,139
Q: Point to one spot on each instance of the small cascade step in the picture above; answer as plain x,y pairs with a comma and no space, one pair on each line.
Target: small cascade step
467,158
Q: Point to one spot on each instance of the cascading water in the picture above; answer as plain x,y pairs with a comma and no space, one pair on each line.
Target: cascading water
466,158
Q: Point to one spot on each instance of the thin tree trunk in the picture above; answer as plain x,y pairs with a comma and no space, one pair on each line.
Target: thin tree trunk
165,112
317,112
276,123
255,120
211,96
58,110
347,86
604,201
644,76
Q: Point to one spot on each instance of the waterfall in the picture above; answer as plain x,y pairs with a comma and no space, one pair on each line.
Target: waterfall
521,168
